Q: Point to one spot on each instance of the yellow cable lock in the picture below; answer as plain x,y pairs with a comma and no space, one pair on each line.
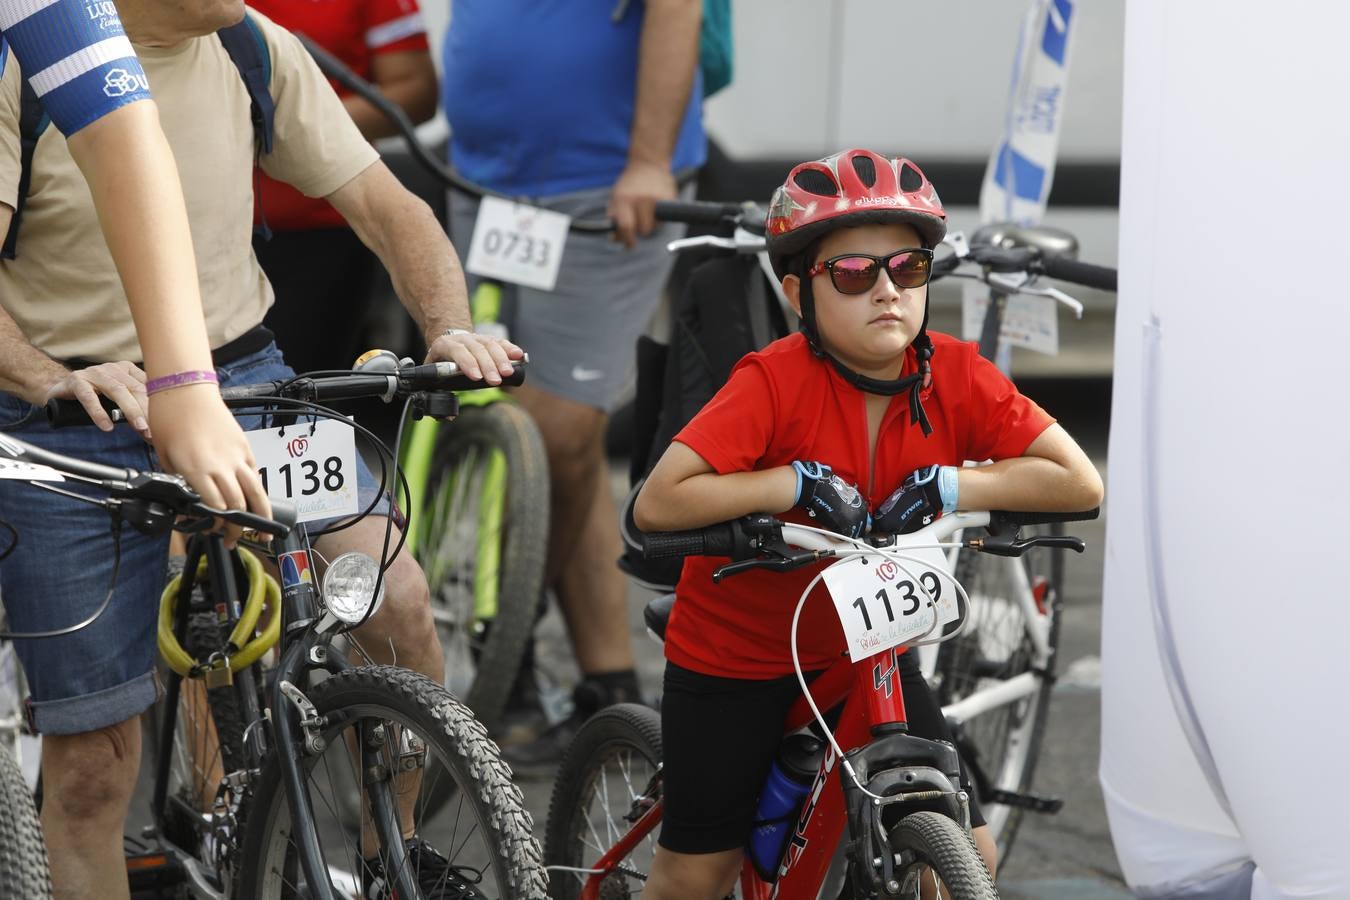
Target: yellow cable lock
263,593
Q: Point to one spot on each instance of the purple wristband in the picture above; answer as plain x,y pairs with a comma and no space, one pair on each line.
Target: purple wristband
179,379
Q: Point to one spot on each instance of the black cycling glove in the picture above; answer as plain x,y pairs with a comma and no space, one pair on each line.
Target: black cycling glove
830,500
924,495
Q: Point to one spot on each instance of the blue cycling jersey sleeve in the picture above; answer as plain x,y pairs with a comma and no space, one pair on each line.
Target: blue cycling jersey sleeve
75,56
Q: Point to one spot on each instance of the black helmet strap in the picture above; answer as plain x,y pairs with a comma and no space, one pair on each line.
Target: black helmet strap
923,349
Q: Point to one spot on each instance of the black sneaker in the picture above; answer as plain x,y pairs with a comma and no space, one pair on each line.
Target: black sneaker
437,878
542,755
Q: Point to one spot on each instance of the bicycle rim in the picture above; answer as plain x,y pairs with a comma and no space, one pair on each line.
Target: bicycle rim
608,780
1001,744
421,735
485,536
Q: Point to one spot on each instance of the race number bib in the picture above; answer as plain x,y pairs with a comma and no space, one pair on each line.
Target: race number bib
1031,322
883,603
518,243
314,467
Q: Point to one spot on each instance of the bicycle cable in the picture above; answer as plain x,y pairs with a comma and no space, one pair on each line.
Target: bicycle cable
112,588
860,549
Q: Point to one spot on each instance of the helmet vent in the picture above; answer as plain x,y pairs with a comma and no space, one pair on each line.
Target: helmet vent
911,179
866,169
816,182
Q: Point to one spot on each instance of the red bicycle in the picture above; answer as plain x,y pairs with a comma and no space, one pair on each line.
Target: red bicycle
885,815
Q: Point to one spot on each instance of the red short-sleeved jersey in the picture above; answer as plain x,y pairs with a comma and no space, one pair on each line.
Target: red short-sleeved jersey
783,404
354,31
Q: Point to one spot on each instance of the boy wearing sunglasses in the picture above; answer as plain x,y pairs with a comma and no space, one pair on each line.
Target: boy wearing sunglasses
862,420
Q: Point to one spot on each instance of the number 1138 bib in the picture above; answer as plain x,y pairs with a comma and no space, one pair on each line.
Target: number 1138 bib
314,469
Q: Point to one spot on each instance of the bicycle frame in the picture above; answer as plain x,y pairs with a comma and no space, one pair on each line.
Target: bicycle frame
871,732
304,649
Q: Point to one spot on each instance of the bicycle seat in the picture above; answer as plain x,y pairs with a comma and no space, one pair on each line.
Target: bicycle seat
1049,241
657,614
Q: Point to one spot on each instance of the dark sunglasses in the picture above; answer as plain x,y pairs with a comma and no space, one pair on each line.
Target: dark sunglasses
855,273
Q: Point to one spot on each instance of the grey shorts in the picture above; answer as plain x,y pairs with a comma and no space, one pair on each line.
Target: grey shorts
581,335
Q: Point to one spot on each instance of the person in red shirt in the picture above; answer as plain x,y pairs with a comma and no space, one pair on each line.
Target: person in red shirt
322,273
863,418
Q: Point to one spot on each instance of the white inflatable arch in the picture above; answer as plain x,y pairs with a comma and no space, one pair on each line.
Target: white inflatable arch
1226,629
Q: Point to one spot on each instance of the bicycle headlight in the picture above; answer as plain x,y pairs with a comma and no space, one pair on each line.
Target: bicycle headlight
349,587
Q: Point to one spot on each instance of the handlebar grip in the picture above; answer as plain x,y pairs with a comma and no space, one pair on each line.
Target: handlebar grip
1087,274
695,212
445,376
65,413
715,540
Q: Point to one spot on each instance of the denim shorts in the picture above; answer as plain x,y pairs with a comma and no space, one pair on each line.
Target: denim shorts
62,567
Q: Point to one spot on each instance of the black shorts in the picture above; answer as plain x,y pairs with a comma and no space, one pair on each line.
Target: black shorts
719,737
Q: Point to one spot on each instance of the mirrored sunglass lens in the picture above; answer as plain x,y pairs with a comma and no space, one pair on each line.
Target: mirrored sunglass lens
909,270
854,274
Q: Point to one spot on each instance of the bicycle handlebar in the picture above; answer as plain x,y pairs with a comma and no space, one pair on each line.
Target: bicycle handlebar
741,538
151,487
441,377
1087,274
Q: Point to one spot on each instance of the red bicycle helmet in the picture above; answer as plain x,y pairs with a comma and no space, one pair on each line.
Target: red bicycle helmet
854,187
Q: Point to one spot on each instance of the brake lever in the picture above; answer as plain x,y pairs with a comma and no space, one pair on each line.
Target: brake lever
1011,283
782,560
1004,545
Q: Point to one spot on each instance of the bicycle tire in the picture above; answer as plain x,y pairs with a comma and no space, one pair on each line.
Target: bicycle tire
483,658
1003,744
625,728
930,844
388,694
23,855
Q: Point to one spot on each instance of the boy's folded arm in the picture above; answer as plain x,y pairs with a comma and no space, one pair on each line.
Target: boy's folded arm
1052,475
684,491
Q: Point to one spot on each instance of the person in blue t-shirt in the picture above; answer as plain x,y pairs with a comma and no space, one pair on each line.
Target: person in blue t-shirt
588,107
93,88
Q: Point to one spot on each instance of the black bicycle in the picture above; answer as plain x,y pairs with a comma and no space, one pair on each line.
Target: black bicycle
283,770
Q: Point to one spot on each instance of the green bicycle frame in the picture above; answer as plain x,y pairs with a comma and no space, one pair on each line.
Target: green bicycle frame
419,450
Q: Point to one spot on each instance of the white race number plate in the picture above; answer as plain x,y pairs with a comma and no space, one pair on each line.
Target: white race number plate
518,243
314,467
883,602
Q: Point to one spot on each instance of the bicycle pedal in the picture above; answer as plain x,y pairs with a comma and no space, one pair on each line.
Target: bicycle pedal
1049,805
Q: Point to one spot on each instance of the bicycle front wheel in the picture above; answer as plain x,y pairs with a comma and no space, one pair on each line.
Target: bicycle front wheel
1009,598
412,734
935,858
608,779
23,855
483,545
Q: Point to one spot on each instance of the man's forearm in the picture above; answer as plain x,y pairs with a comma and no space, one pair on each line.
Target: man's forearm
25,371
667,57
422,264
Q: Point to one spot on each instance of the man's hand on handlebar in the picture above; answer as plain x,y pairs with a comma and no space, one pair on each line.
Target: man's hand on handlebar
478,356
121,382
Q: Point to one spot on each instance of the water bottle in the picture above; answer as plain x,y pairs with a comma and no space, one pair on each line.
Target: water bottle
789,781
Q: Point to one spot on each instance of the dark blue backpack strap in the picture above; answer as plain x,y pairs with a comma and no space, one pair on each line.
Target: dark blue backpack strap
33,121
248,51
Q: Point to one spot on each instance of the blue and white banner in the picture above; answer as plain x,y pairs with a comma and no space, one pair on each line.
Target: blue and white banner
1017,182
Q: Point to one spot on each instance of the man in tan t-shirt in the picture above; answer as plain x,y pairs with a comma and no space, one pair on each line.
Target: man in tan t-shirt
66,324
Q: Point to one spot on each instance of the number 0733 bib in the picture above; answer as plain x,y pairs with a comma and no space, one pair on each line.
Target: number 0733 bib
883,602
311,465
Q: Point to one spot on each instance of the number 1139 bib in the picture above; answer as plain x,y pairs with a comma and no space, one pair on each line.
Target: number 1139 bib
883,602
